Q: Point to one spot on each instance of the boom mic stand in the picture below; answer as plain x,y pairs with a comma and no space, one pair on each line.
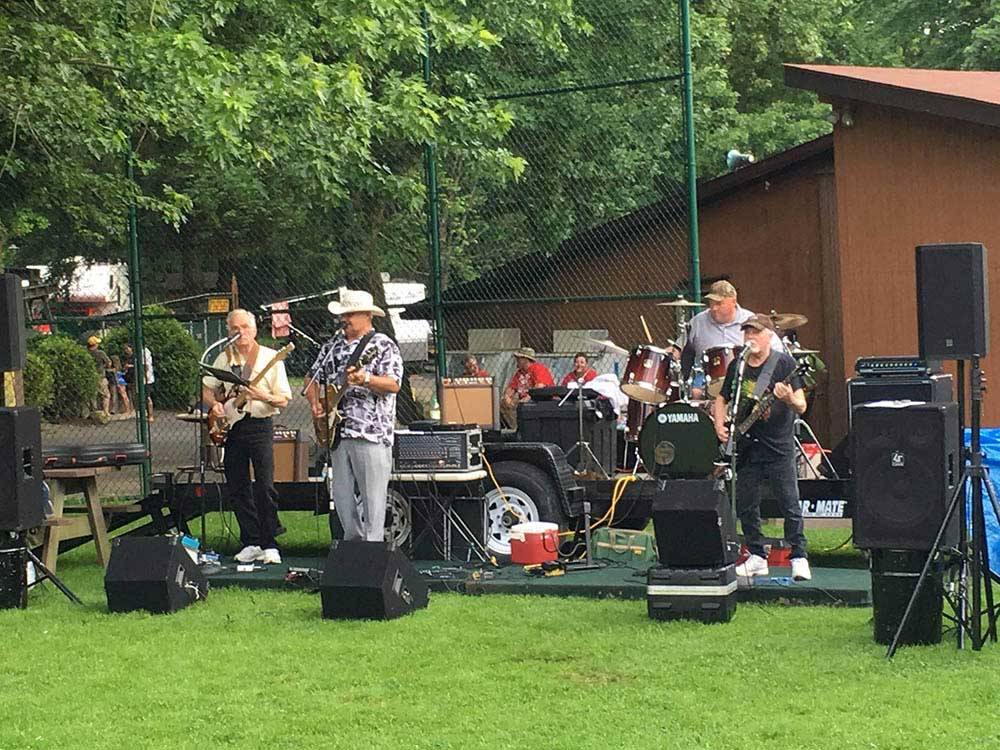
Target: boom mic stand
974,553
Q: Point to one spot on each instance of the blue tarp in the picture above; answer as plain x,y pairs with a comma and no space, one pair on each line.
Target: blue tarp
990,442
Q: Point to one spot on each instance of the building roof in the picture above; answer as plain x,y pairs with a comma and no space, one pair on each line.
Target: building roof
972,95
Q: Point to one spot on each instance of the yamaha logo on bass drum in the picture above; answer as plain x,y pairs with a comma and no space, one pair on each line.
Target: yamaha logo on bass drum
677,418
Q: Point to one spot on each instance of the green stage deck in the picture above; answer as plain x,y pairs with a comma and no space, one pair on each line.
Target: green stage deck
833,586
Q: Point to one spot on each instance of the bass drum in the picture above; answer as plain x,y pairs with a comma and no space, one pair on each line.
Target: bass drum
678,442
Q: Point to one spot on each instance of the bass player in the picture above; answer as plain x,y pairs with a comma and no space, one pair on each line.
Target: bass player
362,459
770,451
250,441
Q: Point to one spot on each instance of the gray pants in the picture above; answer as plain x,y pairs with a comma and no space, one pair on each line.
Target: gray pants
360,485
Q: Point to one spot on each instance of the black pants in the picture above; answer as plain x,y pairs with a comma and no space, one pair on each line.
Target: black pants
251,442
781,472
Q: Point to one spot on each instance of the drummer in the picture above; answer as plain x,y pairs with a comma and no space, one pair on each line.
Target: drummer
719,325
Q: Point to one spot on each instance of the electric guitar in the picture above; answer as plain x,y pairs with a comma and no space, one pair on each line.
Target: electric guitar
751,411
328,425
234,409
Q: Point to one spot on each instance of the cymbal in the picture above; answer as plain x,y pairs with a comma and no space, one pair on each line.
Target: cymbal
607,344
680,303
788,321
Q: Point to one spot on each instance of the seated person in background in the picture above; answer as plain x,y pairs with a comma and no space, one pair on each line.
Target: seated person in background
471,368
530,373
581,370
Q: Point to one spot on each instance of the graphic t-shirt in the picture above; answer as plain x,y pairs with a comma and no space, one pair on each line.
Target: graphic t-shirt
775,429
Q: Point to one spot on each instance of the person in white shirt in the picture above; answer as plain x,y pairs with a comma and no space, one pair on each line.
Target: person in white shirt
250,441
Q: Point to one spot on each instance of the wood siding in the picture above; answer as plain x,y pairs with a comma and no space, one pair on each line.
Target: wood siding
906,179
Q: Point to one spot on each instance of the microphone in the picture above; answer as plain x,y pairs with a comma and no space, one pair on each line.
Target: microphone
232,339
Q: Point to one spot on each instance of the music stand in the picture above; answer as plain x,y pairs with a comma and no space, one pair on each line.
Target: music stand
586,456
226,376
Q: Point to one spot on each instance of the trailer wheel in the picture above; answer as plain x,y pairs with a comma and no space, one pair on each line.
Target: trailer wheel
528,494
398,521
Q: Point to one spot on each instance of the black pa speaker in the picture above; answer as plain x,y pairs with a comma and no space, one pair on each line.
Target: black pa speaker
894,578
21,505
953,314
935,388
152,573
11,323
694,525
13,575
369,581
907,462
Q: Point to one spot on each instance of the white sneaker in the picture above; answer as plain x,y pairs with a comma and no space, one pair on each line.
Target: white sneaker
755,565
249,554
272,556
800,569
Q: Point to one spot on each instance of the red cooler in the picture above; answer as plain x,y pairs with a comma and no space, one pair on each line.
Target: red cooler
534,542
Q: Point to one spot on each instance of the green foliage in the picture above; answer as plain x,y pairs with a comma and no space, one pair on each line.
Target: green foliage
175,356
74,373
39,382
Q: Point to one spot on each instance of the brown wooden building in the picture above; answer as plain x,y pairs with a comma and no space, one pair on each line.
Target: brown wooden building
826,229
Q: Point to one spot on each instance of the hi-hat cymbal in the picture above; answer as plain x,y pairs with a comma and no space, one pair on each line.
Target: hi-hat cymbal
607,344
680,303
788,321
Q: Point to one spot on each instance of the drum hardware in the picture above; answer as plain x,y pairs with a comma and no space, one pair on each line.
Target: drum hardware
801,424
788,321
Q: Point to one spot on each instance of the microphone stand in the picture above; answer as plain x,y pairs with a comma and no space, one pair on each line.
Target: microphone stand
734,406
201,428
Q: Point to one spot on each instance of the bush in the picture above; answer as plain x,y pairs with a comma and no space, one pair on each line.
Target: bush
175,357
39,382
74,391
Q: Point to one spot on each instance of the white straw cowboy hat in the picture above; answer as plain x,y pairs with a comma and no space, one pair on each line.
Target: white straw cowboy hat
354,300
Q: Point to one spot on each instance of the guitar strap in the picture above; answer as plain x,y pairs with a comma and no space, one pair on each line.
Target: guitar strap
764,379
356,354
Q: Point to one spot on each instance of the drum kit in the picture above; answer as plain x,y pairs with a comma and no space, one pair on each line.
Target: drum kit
670,431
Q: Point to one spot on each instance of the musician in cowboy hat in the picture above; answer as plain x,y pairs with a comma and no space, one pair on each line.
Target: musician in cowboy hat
369,365
530,373
250,441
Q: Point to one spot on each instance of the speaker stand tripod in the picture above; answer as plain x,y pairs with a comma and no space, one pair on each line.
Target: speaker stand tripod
586,457
973,554
42,573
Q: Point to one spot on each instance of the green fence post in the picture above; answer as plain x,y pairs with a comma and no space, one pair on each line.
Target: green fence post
692,172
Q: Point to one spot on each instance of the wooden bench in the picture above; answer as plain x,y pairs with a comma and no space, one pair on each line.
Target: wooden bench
64,482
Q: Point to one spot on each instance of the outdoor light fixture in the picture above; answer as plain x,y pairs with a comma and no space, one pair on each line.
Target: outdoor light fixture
735,160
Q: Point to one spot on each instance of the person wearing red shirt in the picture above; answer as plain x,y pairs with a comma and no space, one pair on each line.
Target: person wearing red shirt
472,368
530,373
581,369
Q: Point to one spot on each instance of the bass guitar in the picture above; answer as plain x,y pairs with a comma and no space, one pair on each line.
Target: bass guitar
328,425
234,409
751,411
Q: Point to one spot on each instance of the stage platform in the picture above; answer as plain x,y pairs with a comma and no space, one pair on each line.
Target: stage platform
831,586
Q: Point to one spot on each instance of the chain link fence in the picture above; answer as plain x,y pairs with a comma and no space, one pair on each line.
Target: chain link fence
584,232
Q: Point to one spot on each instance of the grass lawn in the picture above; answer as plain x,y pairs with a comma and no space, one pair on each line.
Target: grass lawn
263,670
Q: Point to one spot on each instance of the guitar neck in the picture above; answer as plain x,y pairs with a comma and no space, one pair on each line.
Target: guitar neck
241,397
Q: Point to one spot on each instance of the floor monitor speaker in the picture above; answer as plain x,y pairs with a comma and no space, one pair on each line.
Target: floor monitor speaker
370,581
154,573
694,525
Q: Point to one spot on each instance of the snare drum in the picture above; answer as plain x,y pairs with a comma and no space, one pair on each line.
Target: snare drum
647,375
678,442
717,361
